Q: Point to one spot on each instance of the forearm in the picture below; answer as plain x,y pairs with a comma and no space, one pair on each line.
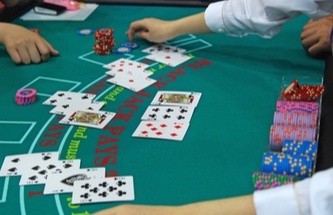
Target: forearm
194,24
235,206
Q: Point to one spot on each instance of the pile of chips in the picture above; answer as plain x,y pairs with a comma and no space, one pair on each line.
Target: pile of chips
25,96
293,137
104,41
262,180
296,92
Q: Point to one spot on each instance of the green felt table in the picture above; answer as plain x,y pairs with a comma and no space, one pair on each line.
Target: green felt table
240,80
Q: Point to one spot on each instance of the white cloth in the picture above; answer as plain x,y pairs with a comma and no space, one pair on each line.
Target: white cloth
312,196
262,17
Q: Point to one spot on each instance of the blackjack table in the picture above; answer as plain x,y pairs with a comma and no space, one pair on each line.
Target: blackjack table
240,80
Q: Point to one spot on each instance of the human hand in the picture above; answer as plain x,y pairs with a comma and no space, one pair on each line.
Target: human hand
25,46
143,210
316,35
151,29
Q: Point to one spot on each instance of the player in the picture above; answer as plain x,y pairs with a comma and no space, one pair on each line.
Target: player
316,35
240,18
23,45
311,196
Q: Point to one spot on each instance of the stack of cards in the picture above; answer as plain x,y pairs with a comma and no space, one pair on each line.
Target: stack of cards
65,176
168,116
166,54
79,109
129,74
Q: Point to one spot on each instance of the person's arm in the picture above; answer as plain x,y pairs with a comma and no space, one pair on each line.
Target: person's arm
233,17
23,45
235,206
316,35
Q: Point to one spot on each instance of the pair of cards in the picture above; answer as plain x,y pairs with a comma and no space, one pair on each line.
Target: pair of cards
65,176
79,109
168,116
129,74
169,55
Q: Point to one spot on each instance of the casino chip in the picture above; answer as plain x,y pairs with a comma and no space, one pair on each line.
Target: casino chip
104,41
85,32
122,50
132,45
25,96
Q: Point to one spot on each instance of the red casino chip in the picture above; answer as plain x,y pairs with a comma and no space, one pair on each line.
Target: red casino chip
101,50
104,32
25,96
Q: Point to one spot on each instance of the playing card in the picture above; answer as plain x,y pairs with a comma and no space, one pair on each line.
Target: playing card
169,58
103,190
67,107
15,165
63,182
72,96
161,130
168,113
178,98
123,64
37,173
94,119
133,83
163,48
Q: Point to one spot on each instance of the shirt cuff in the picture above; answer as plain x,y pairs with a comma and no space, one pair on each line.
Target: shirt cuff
276,201
213,17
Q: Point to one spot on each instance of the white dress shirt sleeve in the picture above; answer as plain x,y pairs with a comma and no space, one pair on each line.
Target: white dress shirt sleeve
262,17
312,196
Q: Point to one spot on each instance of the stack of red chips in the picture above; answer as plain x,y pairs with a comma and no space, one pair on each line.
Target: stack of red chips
104,41
296,92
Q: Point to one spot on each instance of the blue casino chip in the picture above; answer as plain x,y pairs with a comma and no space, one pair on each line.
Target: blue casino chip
122,50
132,45
85,32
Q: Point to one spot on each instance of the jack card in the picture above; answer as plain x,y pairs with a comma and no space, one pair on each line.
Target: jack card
93,119
178,98
103,190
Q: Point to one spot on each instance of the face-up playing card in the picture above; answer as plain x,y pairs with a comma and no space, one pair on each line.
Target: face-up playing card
161,130
93,119
37,173
170,59
15,165
168,113
103,190
163,48
122,65
133,83
72,96
63,182
178,98
66,107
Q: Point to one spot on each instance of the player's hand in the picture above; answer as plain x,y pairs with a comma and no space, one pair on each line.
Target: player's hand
143,210
151,29
316,35
25,46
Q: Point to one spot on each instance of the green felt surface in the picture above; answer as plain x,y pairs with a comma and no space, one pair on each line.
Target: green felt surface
240,80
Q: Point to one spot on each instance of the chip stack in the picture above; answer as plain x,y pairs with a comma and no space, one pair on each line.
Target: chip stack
297,92
25,96
262,180
104,41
